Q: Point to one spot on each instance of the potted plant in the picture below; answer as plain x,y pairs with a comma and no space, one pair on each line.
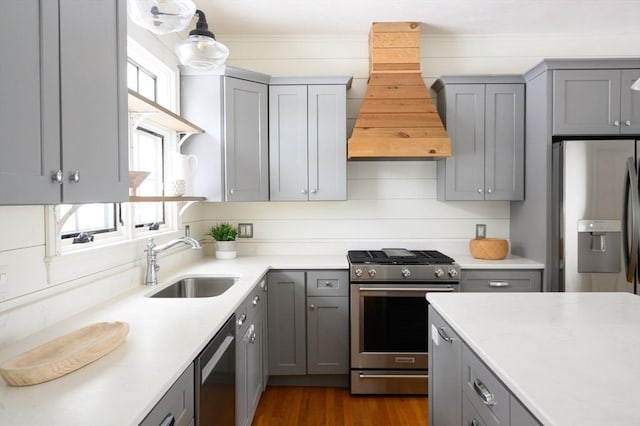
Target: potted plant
225,236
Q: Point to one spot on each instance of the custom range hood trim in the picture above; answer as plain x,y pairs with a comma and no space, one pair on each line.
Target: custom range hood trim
397,119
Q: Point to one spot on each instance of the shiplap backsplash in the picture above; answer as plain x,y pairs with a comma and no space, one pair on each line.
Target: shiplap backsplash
390,203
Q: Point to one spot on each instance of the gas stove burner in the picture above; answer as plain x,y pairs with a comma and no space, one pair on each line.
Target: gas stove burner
399,256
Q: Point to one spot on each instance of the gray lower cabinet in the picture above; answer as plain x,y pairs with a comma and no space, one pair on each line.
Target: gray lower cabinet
64,120
308,322
501,280
445,373
595,102
307,141
177,405
233,151
250,339
484,116
462,389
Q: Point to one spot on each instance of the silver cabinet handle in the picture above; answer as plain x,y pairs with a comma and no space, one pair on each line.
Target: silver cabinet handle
313,191
487,397
393,376
444,335
475,422
74,176
242,319
627,123
616,123
499,283
168,421
256,300
57,176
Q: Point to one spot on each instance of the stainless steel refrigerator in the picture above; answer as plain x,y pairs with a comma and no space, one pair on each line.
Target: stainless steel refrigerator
596,215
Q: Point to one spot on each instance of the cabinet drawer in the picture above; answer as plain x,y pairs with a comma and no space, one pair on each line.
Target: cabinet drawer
470,416
328,283
496,280
485,392
177,402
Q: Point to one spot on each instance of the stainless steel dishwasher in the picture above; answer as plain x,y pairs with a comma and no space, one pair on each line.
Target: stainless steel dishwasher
216,379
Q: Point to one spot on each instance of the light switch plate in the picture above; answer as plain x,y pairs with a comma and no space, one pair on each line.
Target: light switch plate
245,230
481,230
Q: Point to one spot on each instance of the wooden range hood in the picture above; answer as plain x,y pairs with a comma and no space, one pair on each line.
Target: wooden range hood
397,119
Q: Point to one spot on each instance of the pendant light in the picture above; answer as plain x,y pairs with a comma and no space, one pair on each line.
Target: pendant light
161,16
201,50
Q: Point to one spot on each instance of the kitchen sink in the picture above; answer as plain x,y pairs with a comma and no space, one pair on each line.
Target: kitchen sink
197,287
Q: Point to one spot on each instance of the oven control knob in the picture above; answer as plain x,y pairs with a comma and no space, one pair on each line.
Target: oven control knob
452,273
405,273
372,273
358,272
438,272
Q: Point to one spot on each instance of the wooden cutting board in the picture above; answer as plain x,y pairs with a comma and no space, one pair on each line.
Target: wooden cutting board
64,354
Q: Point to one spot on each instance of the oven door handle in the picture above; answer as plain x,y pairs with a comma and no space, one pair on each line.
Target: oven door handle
393,376
410,289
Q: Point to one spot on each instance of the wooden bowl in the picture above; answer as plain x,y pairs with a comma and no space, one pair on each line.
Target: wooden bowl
489,248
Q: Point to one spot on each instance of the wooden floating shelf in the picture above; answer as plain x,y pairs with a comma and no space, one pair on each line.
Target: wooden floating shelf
154,198
159,115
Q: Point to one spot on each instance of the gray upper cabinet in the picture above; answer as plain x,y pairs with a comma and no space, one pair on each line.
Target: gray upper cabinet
233,150
595,102
65,103
485,120
307,140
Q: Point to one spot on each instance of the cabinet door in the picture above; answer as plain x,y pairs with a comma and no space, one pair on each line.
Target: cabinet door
288,157
328,335
254,368
287,327
242,373
178,403
629,103
504,142
30,95
445,373
93,57
586,102
246,135
464,170
327,142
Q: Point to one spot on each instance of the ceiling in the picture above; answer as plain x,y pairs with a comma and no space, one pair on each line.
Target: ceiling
281,17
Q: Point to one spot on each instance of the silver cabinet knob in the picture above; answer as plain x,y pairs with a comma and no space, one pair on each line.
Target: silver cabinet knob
328,284
405,273
313,191
57,176
616,123
74,176
480,191
489,190
627,123
304,191
242,319
256,300
312,307
231,191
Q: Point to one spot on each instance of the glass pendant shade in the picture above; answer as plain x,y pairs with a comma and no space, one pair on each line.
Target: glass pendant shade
202,52
161,16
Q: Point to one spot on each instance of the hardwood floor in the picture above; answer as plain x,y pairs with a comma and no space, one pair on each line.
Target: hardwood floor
317,406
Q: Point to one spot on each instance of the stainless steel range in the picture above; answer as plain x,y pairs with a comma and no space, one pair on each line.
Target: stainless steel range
389,312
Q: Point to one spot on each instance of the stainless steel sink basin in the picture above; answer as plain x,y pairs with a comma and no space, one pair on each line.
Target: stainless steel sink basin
197,287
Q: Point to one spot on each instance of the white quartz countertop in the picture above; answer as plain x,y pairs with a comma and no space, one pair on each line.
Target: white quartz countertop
164,338
571,358
466,261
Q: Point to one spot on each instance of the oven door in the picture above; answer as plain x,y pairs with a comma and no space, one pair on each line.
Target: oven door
389,325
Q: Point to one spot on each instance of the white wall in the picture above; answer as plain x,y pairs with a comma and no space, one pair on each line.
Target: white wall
390,203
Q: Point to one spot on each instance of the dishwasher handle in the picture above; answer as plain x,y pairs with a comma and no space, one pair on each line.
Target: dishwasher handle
213,361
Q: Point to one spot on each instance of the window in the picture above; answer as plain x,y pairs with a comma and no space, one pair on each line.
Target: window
147,154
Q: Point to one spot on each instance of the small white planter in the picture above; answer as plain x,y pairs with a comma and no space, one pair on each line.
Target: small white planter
225,249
